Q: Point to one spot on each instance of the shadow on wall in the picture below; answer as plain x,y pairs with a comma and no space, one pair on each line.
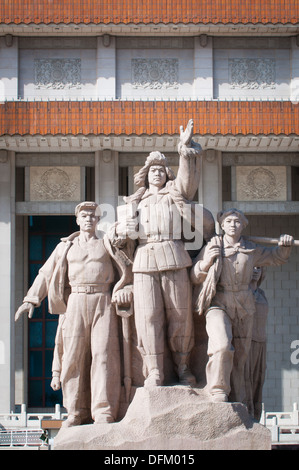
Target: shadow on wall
281,287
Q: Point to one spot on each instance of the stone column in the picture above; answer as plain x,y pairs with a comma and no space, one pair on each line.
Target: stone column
9,67
106,67
7,279
295,70
106,180
203,67
210,187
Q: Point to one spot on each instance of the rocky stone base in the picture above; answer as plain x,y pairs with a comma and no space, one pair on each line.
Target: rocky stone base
171,418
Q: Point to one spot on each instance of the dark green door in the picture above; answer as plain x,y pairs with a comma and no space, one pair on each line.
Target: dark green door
44,234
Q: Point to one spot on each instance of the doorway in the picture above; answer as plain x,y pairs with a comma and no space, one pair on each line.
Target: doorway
44,233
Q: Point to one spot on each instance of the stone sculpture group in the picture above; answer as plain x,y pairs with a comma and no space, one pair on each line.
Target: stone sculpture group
128,302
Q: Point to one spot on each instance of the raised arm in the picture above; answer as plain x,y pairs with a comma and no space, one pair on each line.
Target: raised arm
188,176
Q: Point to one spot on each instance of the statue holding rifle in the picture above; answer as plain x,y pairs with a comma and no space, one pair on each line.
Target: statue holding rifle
223,271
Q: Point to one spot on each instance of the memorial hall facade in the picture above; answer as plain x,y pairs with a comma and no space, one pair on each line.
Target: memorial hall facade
88,90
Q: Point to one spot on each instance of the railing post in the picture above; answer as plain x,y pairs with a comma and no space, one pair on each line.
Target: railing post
57,411
23,415
274,430
295,414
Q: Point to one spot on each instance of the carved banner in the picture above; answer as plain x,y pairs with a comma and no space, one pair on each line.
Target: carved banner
252,74
155,73
57,74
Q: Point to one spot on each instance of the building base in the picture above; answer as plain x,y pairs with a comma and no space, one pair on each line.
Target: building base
171,418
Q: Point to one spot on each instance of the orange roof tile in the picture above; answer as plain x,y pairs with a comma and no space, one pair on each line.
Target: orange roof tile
149,11
148,117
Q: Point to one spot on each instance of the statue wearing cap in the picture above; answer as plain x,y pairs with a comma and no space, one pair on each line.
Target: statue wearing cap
162,289
222,274
79,280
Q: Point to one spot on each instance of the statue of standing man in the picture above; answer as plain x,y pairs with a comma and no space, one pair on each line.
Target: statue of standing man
223,271
162,288
78,279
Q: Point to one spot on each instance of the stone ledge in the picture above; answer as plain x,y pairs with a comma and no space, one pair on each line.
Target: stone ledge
171,418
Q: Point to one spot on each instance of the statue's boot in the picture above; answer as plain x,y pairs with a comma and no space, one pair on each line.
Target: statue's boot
183,371
154,365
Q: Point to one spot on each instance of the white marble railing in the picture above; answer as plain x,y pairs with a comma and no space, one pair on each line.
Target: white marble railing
284,426
28,420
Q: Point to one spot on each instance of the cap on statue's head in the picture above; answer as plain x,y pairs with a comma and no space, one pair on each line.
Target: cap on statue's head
87,205
154,158
225,213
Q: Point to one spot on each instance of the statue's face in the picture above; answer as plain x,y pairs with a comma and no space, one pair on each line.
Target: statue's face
257,272
157,176
232,226
87,220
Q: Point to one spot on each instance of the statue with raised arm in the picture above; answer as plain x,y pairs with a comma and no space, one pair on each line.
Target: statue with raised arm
79,279
162,288
222,272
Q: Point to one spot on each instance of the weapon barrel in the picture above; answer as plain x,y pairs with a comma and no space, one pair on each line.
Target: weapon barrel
271,241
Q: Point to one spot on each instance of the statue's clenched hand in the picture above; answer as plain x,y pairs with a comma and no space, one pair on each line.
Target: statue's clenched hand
122,297
285,240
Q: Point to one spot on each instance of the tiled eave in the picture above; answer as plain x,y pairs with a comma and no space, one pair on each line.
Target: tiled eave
148,117
149,12
138,125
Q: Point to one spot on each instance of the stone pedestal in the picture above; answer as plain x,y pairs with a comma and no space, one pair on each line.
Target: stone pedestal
171,418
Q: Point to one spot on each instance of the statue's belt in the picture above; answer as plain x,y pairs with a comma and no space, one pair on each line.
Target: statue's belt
90,289
236,288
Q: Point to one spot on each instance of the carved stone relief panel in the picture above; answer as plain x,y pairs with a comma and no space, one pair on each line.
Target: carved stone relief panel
57,74
48,183
256,73
155,73
261,183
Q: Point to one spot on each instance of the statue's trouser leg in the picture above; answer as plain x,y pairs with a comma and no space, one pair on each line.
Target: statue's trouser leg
220,352
149,320
91,365
180,330
163,300
259,376
105,365
255,371
242,334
